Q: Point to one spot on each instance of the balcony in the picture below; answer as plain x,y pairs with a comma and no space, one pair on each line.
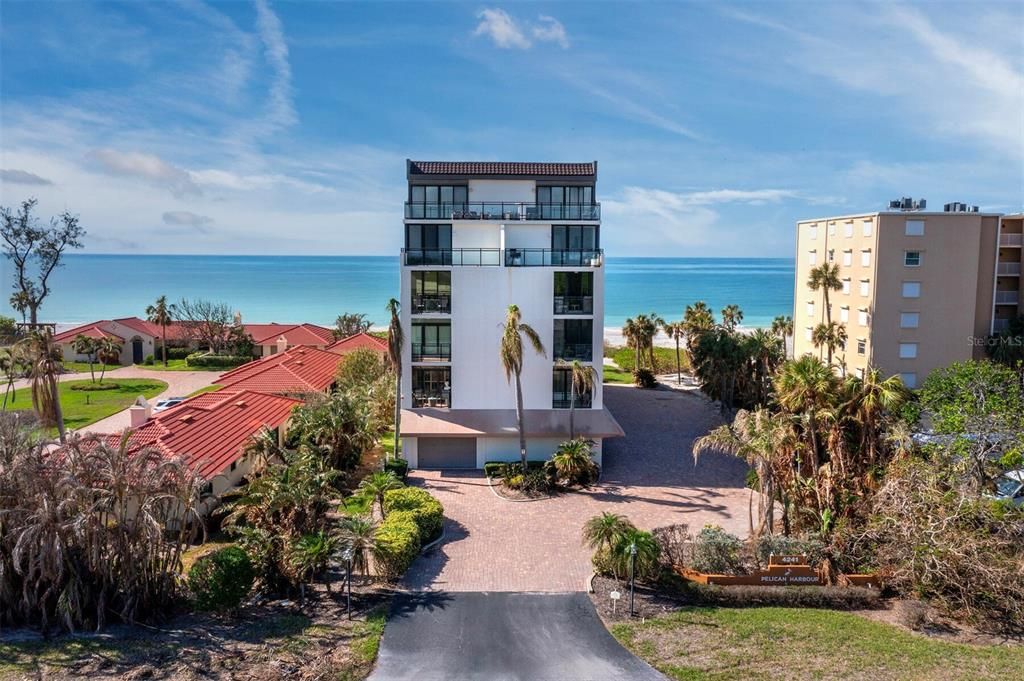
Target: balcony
563,400
457,257
550,257
1012,240
1000,325
502,210
431,303
431,352
1008,269
432,398
1007,297
574,305
584,352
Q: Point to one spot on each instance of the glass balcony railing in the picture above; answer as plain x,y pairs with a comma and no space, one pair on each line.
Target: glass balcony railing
502,210
553,257
431,303
1007,297
431,352
472,257
432,398
562,400
1011,239
1008,269
570,351
574,304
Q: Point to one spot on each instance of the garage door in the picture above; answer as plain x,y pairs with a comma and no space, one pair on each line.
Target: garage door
447,452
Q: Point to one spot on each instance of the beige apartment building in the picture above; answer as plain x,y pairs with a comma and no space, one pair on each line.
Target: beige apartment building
920,289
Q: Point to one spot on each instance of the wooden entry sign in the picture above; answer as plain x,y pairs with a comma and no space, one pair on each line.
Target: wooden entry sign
783,570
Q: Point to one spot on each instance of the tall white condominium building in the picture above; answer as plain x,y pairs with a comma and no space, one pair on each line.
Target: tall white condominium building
480,237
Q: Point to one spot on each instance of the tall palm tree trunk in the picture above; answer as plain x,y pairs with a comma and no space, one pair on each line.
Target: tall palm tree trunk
163,329
519,421
58,412
572,410
398,413
679,366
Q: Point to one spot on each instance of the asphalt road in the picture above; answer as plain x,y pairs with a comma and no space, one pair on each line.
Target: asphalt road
502,637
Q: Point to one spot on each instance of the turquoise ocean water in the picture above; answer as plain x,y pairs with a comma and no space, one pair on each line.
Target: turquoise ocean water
316,289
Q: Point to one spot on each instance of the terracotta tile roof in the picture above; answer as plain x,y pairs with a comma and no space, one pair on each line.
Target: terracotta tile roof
174,330
359,340
295,334
499,168
94,330
211,430
300,369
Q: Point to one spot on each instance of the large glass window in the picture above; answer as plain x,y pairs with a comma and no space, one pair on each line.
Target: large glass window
431,341
566,202
436,201
574,293
428,244
431,387
574,244
574,339
561,391
432,292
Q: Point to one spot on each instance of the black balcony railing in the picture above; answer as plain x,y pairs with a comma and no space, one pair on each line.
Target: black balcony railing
564,401
502,210
431,303
553,257
452,256
431,352
574,304
432,398
570,351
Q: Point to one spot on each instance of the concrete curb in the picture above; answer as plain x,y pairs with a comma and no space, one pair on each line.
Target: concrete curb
431,545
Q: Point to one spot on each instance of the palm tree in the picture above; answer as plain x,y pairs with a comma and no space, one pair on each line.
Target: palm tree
12,360
512,361
396,339
358,535
107,349
766,352
632,333
374,485
644,561
263,448
648,326
782,326
45,364
696,319
732,315
84,345
676,331
161,313
572,462
825,278
602,531
873,398
310,556
830,335
581,382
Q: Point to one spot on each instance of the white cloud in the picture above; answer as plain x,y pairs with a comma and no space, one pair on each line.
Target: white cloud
147,167
280,109
184,218
551,30
508,33
755,197
15,176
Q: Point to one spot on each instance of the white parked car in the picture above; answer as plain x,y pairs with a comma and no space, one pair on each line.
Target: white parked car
1010,487
167,403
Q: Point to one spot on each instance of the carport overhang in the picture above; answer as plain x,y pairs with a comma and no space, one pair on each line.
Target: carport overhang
436,422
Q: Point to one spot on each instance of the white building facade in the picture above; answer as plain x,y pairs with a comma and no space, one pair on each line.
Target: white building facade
480,237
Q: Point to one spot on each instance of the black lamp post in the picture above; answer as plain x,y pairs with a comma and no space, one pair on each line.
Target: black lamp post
632,576
347,555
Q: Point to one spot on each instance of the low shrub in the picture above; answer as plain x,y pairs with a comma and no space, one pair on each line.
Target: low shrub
93,387
778,544
221,580
426,511
400,467
174,353
644,378
648,552
496,469
573,463
675,542
148,361
603,563
715,551
536,479
396,544
202,359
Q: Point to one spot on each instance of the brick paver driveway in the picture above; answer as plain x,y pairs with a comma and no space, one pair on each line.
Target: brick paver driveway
649,475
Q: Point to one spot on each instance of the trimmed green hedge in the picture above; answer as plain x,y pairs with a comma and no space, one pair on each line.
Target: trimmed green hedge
400,467
397,544
426,511
222,579
496,469
201,359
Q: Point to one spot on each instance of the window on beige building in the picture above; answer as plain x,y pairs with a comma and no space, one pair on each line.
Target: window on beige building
909,379
862,346
809,333
832,229
846,286
812,231
810,309
911,289
914,228
844,314
866,225
847,258
910,320
865,287
908,350
912,258
848,230
862,317
865,258
812,257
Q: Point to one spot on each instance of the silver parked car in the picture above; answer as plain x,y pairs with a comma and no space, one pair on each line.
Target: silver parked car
1010,487
167,403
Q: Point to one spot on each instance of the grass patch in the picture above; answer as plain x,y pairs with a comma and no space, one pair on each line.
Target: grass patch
387,442
616,375
665,358
181,365
83,367
207,389
24,658
366,637
82,408
356,505
742,643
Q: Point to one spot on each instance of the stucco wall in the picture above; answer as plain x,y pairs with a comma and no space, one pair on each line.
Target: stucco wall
501,449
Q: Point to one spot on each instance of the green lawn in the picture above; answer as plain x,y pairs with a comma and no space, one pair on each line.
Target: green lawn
665,358
82,408
616,375
387,441
719,644
83,367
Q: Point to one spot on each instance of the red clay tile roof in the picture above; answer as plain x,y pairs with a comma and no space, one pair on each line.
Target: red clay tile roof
359,340
499,168
89,331
301,369
211,430
174,330
295,334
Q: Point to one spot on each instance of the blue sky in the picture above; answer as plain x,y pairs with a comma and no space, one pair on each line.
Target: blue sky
282,128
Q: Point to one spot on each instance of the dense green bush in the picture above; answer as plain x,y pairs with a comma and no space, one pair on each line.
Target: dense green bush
148,361
202,359
426,511
400,467
715,551
573,463
644,378
174,353
397,542
538,479
496,469
222,579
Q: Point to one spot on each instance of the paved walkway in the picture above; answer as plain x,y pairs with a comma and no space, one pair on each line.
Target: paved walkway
649,475
502,637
